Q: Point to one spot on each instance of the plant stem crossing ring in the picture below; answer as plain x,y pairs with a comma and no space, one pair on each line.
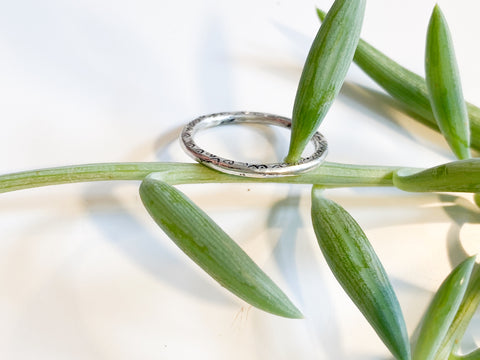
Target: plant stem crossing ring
242,168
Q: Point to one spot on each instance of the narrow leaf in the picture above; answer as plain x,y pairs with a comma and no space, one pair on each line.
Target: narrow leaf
357,268
442,311
455,176
444,86
198,236
464,315
324,71
405,86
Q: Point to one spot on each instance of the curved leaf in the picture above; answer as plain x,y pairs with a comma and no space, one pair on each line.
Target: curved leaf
465,313
405,86
444,86
324,71
198,236
358,269
442,311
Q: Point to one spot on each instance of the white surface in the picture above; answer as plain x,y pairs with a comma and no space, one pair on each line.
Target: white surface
84,272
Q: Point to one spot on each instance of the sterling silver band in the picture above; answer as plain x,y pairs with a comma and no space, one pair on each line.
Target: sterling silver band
242,168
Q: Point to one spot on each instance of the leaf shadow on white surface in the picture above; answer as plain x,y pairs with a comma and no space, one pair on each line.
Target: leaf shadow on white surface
379,105
462,212
381,108
282,68
163,142
214,73
214,90
145,250
385,208
385,110
322,325
284,215
298,41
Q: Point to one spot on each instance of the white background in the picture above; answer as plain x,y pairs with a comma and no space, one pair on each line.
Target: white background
84,271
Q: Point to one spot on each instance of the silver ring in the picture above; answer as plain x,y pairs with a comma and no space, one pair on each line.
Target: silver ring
242,168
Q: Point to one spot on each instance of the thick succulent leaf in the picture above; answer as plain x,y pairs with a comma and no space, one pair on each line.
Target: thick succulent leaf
357,268
405,86
324,71
442,311
455,176
467,309
444,86
198,236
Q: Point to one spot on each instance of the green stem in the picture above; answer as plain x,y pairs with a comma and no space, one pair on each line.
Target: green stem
328,175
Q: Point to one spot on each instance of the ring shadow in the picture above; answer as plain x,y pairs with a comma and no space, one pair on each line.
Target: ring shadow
144,249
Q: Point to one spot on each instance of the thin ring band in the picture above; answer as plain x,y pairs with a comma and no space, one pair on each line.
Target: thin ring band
242,168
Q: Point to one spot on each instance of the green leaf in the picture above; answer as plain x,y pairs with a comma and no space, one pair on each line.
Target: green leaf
405,86
476,199
357,268
455,176
444,86
198,236
442,311
467,309
324,71
474,355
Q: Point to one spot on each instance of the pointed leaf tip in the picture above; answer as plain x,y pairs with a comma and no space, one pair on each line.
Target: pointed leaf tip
198,236
442,311
444,86
357,268
321,14
324,71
